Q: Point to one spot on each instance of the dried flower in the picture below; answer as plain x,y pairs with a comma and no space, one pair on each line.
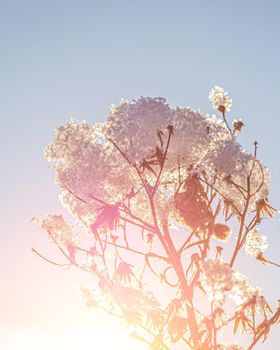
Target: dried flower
263,207
221,232
124,271
218,250
237,125
108,218
155,319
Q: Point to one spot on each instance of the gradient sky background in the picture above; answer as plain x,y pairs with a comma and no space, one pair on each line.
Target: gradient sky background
62,59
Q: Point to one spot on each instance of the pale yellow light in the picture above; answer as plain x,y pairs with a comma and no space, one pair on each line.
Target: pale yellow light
103,334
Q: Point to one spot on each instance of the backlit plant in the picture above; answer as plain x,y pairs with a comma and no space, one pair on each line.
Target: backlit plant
163,200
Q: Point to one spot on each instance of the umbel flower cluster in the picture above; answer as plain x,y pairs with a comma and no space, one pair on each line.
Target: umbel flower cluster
157,193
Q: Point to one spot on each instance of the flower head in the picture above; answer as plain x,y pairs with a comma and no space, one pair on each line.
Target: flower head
57,228
222,232
96,164
237,124
124,271
218,278
255,244
220,99
263,207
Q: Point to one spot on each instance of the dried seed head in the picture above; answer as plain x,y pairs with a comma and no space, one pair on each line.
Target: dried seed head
221,232
237,125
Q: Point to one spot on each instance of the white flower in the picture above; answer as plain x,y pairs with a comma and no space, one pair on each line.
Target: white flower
57,228
98,161
232,347
242,290
218,278
255,244
220,99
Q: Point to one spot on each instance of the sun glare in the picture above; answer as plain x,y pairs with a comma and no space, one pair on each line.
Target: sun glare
104,335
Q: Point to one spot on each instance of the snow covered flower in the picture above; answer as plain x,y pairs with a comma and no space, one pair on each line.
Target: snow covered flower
220,99
255,243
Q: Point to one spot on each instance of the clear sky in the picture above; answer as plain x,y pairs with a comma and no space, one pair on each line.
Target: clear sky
62,59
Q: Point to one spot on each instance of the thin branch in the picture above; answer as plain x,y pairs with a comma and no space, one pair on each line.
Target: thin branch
152,255
242,223
128,212
163,162
48,260
227,125
143,181
220,194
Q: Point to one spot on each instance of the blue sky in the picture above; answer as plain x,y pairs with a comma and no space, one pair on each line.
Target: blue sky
62,59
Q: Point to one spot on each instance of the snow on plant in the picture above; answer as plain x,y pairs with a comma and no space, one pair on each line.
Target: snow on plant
153,189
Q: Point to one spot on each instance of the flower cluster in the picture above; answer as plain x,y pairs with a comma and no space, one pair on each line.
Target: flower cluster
60,230
219,278
101,161
255,243
242,290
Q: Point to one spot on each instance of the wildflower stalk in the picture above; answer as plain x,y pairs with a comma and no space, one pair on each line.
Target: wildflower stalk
128,182
242,223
